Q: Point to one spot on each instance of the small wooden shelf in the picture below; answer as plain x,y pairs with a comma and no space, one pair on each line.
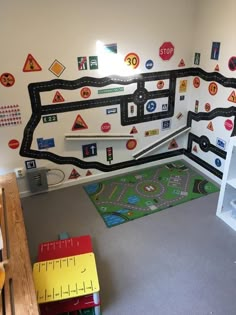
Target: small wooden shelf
18,296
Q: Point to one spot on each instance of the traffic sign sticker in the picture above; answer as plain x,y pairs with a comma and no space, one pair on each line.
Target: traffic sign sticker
173,145
218,162
232,97
105,127
195,149
213,88
232,63
13,144
153,132
160,84
151,106
131,144
79,124
196,82
82,63
207,107
181,63
57,68
183,86
7,79
133,130
166,51
31,64
217,68
93,62
109,152
89,150
58,98
210,126
85,92
228,124
132,60
215,50
74,174
149,64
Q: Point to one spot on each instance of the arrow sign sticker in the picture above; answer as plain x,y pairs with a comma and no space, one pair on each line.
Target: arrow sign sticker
89,150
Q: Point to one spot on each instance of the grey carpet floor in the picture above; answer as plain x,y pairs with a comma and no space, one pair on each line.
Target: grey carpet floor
181,261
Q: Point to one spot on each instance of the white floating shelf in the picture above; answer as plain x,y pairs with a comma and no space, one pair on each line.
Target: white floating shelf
96,136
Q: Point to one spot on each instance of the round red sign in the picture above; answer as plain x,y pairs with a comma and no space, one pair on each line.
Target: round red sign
228,124
13,144
106,127
166,51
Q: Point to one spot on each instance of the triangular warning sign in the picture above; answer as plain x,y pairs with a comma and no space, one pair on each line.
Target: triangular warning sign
217,68
210,126
79,124
88,173
58,98
232,97
173,144
133,130
181,63
74,174
31,64
195,148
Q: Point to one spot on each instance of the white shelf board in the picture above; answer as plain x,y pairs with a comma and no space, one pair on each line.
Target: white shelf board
232,182
227,218
91,136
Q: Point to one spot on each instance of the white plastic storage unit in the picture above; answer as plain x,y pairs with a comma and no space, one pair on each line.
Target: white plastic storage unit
226,208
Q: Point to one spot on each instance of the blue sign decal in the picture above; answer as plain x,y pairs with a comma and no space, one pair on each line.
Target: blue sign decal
89,150
151,106
215,50
45,143
220,143
111,111
218,162
149,64
166,124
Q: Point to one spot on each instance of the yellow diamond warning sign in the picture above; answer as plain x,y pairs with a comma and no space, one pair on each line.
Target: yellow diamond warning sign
31,64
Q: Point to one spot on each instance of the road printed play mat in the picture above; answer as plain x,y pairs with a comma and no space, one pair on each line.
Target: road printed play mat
133,195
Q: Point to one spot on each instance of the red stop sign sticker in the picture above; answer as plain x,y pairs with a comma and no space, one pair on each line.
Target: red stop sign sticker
166,51
13,144
105,127
228,124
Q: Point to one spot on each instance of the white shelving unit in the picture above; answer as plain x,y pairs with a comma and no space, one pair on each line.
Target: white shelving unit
226,210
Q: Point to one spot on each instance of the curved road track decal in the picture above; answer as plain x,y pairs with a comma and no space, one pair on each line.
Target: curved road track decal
140,96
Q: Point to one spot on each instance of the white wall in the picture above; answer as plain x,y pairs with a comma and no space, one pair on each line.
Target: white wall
64,30
215,23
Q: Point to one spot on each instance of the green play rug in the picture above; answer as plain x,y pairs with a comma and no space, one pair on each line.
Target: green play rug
130,196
